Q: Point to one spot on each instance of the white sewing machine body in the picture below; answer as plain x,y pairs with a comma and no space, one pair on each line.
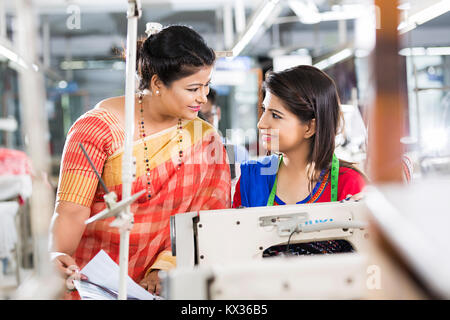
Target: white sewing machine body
220,253
336,276
238,235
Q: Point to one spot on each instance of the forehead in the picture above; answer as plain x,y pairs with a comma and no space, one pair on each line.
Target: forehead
202,76
271,101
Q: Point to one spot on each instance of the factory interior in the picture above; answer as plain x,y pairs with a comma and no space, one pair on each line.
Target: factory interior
390,63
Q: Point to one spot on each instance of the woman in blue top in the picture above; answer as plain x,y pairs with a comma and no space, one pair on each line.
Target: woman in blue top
299,122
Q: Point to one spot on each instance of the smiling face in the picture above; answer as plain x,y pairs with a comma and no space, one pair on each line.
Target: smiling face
280,130
183,98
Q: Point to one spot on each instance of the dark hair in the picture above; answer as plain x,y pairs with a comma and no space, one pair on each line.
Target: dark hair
212,96
173,53
202,116
309,93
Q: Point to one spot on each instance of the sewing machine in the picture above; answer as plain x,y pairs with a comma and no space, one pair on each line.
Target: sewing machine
244,253
231,235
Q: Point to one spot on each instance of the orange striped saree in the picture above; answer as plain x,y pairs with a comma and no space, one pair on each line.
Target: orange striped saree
201,183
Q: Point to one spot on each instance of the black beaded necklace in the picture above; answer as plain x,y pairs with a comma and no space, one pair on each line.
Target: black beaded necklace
142,135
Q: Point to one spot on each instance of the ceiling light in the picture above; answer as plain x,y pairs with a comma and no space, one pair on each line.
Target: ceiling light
420,51
12,56
256,22
338,57
438,51
307,11
425,15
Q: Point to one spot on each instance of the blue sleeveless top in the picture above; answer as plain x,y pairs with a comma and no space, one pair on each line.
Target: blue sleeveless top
257,179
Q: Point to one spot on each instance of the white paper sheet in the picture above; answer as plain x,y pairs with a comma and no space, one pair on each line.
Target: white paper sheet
103,271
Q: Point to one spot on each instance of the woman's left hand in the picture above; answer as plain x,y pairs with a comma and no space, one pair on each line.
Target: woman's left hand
152,282
355,197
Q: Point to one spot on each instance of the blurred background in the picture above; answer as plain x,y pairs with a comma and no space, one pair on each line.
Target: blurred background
79,44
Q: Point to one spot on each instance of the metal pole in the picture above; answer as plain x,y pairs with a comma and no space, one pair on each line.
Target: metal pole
45,284
127,163
46,48
2,20
416,93
387,116
239,9
228,33
342,31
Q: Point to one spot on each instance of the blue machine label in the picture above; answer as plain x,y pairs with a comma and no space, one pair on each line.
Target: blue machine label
310,222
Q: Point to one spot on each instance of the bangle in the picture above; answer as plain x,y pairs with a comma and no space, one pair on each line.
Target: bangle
150,270
55,254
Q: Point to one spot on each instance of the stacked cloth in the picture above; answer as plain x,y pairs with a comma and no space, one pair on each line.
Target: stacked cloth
15,175
8,233
15,184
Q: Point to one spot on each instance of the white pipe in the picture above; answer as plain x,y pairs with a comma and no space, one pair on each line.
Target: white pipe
256,21
46,48
68,57
32,96
127,163
45,284
228,33
426,14
342,31
239,11
2,19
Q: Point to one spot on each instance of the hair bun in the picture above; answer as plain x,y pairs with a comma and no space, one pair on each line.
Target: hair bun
152,28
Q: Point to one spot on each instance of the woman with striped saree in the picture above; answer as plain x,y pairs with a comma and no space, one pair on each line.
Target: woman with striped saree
180,162
201,183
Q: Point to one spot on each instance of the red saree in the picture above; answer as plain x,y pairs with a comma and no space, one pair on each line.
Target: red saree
201,183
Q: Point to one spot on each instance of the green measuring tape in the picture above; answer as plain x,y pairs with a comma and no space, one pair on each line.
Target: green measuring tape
334,181
274,188
334,177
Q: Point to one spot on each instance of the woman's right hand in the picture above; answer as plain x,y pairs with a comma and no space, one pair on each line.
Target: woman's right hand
67,227
68,269
151,282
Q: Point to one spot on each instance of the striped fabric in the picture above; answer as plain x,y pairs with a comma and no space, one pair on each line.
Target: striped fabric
202,183
408,168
